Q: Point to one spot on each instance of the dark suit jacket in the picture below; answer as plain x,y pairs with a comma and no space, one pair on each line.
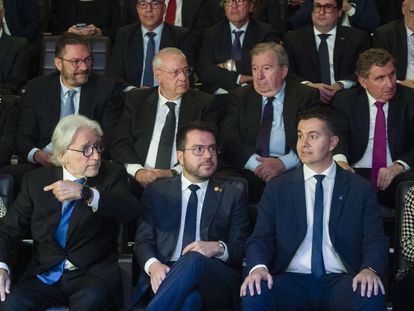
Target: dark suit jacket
126,61
240,128
9,118
216,48
393,38
100,101
303,53
354,125
14,63
23,20
92,237
355,224
224,218
366,15
107,16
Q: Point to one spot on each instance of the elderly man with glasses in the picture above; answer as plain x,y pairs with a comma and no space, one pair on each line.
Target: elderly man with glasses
191,259
144,140
72,210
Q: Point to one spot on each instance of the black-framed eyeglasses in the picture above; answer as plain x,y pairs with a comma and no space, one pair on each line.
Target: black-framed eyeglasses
238,2
327,8
154,4
88,150
187,71
77,62
199,150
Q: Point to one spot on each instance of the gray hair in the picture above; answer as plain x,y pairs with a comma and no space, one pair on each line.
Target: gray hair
277,49
65,132
1,5
157,60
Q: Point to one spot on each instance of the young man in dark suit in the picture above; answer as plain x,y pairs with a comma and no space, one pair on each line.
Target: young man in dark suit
72,209
192,258
318,241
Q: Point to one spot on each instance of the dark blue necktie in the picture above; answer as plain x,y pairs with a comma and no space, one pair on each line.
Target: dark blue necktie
53,274
324,59
148,79
236,49
263,137
318,266
191,217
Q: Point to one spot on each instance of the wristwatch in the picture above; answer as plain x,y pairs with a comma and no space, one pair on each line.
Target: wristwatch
86,193
222,249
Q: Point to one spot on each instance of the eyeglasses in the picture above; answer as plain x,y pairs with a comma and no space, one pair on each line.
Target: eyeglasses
186,71
411,13
237,2
154,4
327,8
199,150
88,150
77,62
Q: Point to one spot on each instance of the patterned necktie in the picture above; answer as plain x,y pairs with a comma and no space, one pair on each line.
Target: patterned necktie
148,79
263,137
236,49
379,150
318,266
170,15
191,217
3,209
324,59
53,274
165,146
69,106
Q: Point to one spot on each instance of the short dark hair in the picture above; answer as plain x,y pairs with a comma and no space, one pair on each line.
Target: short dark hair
69,38
202,126
339,4
322,112
371,57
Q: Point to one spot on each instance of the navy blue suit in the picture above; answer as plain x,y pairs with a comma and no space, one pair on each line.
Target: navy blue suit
355,224
224,218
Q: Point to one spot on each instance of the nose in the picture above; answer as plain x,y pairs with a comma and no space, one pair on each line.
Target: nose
95,154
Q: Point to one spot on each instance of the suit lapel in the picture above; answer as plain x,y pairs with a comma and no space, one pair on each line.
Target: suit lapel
339,48
136,60
290,107
174,206
4,48
299,200
393,120
148,109
55,107
211,204
309,45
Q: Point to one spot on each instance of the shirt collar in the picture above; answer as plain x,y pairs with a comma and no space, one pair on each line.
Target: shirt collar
279,95
157,30
371,100
244,27
185,182
332,32
329,172
409,32
68,176
162,100
65,89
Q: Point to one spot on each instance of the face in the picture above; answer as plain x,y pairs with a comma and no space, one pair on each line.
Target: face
198,168
73,76
324,21
75,162
151,17
172,86
267,74
315,144
381,82
407,7
238,14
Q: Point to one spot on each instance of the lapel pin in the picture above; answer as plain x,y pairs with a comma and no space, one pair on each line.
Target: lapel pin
217,189
340,197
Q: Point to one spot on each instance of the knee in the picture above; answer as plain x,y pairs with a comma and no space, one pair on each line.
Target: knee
90,299
194,259
375,302
192,302
264,301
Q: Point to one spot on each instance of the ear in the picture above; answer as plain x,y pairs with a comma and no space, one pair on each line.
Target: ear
157,74
58,63
285,70
180,157
333,142
363,82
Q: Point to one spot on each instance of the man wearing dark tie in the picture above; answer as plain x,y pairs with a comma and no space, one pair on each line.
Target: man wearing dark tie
144,140
72,209
259,131
190,241
318,242
377,141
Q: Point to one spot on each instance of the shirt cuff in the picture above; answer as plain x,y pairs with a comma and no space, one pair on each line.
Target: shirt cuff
225,255
347,83
149,263
405,165
95,200
132,169
238,79
5,267
290,160
257,266
340,158
252,163
352,10
31,155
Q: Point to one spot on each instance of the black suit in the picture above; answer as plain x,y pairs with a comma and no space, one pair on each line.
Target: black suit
91,242
14,63
127,59
303,53
216,48
224,218
133,135
393,38
9,118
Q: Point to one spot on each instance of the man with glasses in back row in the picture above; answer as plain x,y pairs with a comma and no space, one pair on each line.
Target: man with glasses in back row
73,89
323,55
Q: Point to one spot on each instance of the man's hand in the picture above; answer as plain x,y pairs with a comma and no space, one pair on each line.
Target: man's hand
253,281
89,30
148,175
326,91
158,272
346,6
345,166
407,83
245,79
65,190
4,284
206,248
269,168
387,174
42,157
370,282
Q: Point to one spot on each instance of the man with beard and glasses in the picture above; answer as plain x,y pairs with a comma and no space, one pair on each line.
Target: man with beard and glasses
73,89
190,240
